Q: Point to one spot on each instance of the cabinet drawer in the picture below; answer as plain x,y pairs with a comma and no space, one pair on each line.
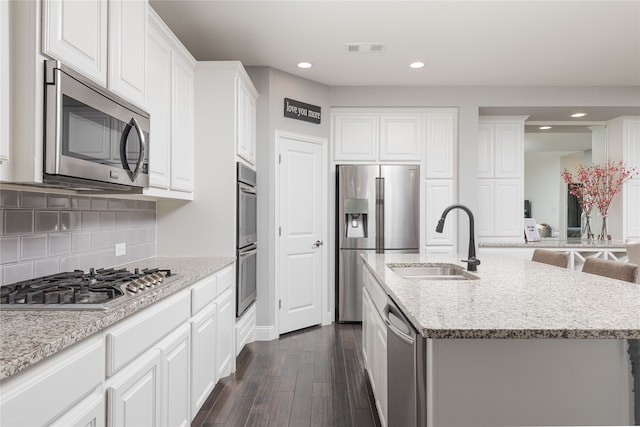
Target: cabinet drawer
202,293
226,279
136,334
54,385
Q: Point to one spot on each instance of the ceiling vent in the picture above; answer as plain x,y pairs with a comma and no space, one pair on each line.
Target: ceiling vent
365,47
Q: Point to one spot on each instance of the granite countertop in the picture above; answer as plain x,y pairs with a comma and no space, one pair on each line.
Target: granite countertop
513,298
27,337
555,243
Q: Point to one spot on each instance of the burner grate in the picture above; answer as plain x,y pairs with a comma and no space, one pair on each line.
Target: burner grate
91,290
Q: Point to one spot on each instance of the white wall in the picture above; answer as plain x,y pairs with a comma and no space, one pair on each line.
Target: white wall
273,86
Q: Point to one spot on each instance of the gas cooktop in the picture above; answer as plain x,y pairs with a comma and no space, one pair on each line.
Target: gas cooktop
100,289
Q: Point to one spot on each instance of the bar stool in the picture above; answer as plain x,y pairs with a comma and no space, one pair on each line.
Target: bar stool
559,259
613,269
627,272
633,253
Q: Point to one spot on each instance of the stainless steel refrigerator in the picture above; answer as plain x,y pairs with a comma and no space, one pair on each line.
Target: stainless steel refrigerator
377,211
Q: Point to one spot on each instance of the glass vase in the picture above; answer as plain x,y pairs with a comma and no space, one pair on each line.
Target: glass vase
604,232
586,229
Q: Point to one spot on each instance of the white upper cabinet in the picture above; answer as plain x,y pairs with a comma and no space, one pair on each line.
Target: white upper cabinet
400,136
159,59
440,144
501,147
508,150
355,136
169,100
75,32
182,126
103,39
4,83
485,150
127,40
245,121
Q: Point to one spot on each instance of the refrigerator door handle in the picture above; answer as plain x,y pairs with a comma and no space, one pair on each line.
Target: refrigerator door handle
379,215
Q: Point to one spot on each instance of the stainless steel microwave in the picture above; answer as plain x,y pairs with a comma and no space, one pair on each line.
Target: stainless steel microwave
93,139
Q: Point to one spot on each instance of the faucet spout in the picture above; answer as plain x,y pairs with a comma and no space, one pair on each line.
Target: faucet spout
472,261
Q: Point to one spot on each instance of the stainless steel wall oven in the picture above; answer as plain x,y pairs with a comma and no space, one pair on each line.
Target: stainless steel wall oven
247,242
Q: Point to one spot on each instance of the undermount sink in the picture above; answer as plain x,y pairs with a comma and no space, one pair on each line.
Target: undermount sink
431,272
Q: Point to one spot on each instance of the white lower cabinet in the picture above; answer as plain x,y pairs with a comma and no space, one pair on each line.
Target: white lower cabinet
176,379
89,412
57,385
154,368
374,337
203,360
134,393
225,342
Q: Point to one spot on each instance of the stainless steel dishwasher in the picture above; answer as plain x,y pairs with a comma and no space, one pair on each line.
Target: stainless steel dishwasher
406,370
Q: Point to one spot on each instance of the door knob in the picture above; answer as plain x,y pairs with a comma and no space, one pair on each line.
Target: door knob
317,244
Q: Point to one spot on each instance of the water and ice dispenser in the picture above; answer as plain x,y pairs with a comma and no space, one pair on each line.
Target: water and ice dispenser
356,212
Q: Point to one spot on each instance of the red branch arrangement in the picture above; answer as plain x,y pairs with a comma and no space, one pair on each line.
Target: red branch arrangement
598,185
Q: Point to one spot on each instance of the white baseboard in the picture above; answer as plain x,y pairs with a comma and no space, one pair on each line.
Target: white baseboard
266,333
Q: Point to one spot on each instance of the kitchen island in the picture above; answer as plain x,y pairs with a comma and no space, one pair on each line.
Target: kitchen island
519,343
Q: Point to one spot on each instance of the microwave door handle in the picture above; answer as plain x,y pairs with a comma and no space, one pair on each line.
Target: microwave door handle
123,148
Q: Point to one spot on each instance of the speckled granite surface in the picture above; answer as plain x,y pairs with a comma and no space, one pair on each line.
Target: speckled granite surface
554,243
512,298
26,337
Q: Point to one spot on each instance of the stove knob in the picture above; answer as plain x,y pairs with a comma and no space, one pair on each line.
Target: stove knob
132,287
141,285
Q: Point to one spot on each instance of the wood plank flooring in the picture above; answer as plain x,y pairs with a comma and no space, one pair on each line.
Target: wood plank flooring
313,377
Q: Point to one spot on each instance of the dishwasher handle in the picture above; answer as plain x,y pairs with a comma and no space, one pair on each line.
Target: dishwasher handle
392,310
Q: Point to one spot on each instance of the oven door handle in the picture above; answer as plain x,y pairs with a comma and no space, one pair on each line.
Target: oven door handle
252,251
123,149
244,188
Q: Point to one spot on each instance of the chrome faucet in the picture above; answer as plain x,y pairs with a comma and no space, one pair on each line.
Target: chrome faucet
472,261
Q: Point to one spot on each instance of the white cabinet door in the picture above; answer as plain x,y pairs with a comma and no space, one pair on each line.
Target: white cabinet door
159,60
225,339
484,219
509,207
245,122
632,207
508,150
485,150
366,332
203,357
75,32
127,40
4,82
176,360
89,412
400,136
355,136
440,142
632,143
134,394
182,125
439,193
380,366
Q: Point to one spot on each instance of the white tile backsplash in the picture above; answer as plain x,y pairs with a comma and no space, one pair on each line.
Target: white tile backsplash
44,233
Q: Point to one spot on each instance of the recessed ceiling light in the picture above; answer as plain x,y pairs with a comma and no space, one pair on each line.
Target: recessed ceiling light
544,127
416,64
304,65
576,115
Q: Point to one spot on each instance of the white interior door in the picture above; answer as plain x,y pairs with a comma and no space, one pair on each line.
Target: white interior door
302,217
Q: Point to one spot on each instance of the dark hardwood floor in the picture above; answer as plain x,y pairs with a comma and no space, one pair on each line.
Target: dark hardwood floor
313,377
